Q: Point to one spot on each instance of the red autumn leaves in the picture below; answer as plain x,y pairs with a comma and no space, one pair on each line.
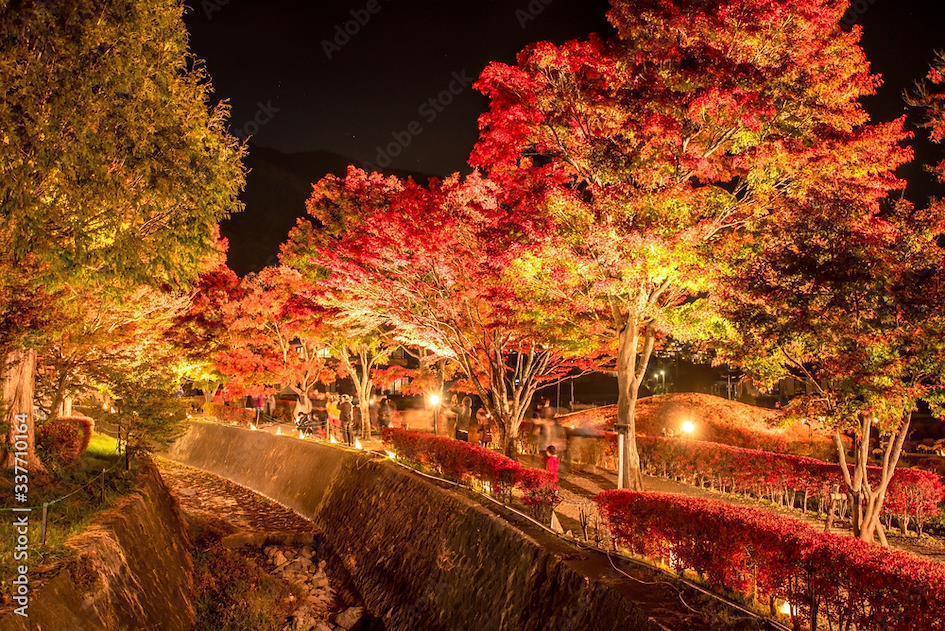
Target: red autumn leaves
763,556
462,462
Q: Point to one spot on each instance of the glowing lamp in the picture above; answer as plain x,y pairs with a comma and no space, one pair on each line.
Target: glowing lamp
784,608
278,431
253,427
333,440
302,434
357,443
391,455
435,399
688,428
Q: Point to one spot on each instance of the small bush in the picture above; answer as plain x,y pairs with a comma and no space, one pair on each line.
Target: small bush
62,442
232,592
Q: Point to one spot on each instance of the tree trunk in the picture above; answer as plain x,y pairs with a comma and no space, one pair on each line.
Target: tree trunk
65,410
867,502
58,404
628,384
19,378
364,404
510,439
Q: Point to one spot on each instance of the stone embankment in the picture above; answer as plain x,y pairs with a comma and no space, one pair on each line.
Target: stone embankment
131,569
420,556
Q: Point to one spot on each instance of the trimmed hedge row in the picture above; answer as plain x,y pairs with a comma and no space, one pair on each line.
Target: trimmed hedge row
768,558
913,496
461,462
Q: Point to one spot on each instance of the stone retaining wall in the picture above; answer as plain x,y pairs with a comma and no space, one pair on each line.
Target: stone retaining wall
422,557
130,570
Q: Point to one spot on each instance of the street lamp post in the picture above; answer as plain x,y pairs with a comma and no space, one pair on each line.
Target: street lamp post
435,400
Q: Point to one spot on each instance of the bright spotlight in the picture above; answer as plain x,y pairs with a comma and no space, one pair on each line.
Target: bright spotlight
688,427
435,399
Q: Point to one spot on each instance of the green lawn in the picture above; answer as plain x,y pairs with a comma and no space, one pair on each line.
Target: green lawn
87,496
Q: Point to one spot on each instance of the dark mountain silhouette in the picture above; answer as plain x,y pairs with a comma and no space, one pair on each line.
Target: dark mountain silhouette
276,189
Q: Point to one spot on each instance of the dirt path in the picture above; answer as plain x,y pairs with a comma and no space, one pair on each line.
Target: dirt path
579,488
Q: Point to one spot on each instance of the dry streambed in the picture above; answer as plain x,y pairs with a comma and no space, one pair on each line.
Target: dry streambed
258,565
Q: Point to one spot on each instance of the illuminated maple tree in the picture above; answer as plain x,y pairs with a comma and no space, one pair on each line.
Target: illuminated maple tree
96,334
845,293
651,151
200,331
275,337
433,267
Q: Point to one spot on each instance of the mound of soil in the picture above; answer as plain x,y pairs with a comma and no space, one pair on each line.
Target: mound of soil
714,419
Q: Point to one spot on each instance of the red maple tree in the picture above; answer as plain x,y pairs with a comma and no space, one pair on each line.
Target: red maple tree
200,331
844,292
433,266
651,151
274,338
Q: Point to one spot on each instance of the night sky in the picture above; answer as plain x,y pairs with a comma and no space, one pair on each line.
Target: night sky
351,96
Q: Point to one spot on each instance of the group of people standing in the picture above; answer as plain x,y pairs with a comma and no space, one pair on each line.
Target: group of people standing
463,425
338,415
549,436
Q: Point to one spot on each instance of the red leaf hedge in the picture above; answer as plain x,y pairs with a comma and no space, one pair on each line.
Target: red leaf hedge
914,495
64,440
459,461
764,556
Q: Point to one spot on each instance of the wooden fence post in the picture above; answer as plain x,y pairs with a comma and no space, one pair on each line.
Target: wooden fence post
45,522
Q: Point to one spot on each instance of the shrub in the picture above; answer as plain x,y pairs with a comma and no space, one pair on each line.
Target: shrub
62,441
764,557
231,414
462,462
913,496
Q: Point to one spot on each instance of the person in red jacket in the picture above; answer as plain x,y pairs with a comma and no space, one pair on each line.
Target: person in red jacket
552,462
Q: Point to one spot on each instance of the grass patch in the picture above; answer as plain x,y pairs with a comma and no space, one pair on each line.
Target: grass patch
85,496
233,593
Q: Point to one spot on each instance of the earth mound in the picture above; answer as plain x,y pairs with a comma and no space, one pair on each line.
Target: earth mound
711,418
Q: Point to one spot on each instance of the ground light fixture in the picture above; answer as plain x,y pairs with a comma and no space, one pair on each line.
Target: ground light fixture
688,427
435,399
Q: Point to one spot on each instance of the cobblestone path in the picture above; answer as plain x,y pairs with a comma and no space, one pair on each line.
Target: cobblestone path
201,492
